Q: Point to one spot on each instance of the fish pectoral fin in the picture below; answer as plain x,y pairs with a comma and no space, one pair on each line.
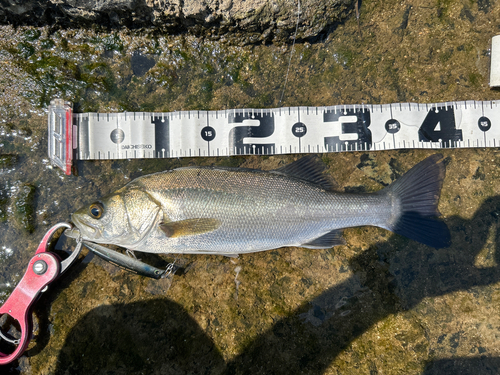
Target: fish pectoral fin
189,227
326,241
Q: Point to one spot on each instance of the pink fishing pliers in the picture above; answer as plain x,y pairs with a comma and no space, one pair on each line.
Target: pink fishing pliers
43,269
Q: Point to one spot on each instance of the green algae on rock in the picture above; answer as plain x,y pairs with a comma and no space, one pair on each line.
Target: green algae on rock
7,161
24,208
381,304
4,201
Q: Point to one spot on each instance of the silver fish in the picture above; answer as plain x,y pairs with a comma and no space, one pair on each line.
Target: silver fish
229,211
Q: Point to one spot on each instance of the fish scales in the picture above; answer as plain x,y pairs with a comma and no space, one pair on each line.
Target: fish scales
257,209
209,210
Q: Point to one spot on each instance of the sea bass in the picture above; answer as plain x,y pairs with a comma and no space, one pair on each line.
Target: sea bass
229,211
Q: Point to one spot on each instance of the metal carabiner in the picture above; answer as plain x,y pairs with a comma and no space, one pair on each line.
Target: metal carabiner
42,270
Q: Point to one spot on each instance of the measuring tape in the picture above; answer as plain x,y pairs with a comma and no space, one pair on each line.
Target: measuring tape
287,130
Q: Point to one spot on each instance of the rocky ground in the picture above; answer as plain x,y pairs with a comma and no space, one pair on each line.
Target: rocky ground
250,21
379,304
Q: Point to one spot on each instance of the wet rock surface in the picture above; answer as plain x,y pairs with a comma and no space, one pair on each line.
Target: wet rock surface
379,304
24,207
251,21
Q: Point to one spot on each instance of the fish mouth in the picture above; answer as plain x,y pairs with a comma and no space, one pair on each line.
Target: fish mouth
82,230
73,232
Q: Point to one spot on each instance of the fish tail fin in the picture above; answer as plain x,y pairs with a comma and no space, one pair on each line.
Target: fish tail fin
418,194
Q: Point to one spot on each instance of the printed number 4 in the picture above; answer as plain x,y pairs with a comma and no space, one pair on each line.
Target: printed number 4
440,126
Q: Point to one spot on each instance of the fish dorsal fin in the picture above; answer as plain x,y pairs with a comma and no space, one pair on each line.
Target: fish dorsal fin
309,169
189,227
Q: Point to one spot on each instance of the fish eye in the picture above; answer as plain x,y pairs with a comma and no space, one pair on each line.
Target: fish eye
96,210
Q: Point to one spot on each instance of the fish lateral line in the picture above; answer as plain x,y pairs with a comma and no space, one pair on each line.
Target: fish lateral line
263,210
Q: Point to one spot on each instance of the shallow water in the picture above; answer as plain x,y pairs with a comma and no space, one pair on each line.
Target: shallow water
379,304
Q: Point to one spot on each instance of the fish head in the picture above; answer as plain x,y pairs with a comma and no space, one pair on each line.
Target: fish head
122,218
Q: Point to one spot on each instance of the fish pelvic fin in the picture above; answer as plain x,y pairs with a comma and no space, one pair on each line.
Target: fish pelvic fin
326,241
189,227
418,194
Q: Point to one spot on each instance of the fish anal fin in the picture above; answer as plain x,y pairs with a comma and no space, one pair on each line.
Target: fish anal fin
333,238
310,169
189,227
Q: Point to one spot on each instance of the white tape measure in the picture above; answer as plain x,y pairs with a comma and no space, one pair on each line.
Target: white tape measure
87,136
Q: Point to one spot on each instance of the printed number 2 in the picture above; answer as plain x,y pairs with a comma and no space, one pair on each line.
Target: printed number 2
239,133
439,125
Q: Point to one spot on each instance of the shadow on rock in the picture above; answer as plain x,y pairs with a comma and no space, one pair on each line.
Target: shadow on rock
464,366
159,337
155,336
427,272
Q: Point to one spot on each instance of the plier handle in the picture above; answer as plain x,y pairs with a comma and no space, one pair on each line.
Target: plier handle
43,269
